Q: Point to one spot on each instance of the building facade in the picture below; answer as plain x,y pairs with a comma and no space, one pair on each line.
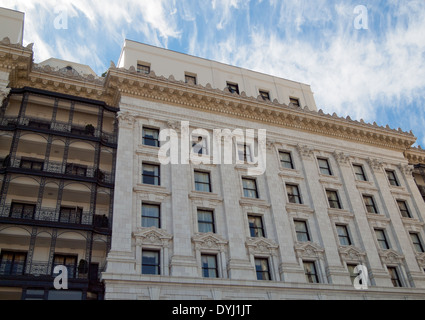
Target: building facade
58,144
335,193
176,177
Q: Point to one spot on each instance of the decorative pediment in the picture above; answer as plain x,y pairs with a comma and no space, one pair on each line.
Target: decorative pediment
309,250
152,236
420,257
390,256
209,241
351,254
261,246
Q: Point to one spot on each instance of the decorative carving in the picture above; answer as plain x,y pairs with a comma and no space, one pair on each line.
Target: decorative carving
341,158
406,169
152,236
351,254
209,241
375,164
305,152
261,246
309,250
390,256
420,257
125,119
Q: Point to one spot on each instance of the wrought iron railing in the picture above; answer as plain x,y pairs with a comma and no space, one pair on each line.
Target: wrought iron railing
58,126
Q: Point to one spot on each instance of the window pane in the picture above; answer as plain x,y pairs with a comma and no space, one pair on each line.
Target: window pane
256,226
310,272
150,137
205,221
344,238
151,174
324,167
150,262
359,173
301,231
286,160
262,269
202,181
209,266
150,216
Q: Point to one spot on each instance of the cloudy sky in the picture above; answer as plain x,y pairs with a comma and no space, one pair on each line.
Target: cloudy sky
363,58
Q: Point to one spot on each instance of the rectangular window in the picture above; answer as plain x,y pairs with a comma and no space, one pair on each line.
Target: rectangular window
382,239
249,188
150,262
293,194
370,204
353,274
265,95
69,261
76,170
12,263
343,235
151,174
333,199
395,279
310,272
244,153
143,68
35,165
202,181
286,160
256,228
22,210
262,269
209,266
294,101
206,221
71,215
150,137
233,87
199,145
392,178
151,215
359,172
324,166
417,243
404,210
301,231
189,79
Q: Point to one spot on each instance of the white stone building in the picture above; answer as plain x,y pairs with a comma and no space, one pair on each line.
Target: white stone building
336,193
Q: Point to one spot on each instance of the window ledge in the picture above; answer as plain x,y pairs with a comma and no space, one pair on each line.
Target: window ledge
295,207
151,188
254,202
199,195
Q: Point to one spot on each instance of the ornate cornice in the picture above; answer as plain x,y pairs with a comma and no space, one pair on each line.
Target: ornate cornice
209,241
261,246
415,155
205,98
120,81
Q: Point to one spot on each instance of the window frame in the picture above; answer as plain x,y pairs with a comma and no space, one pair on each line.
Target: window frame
22,214
197,182
75,213
405,212
245,189
156,141
418,242
203,151
333,201
361,174
247,156
316,278
383,240
143,68
233,87
31,163
254,229
294,101
283,162
72,268
397,283
191,77
346,236
261,271
302,233
327,169
151,218
210,223
368,206
208,268
296,196
156,266
158,176
264,94
393,181
12,272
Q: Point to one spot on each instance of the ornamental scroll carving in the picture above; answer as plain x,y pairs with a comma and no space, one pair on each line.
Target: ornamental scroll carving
305,152
125,119
261,246
209,241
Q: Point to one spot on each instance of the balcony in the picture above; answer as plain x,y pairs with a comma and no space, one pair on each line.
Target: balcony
54,167
74,218
58,127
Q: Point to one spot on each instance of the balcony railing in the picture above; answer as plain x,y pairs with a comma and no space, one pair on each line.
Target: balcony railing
64,169
52,215
44,269
58,126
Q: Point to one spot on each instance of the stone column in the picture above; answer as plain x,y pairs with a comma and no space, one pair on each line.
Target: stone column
288,268
335,272
121,258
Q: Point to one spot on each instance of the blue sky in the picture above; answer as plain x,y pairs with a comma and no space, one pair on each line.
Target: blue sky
375,73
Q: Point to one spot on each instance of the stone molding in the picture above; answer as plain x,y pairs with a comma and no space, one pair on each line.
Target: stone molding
352,254
261,246
210,242
152,237
309,250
